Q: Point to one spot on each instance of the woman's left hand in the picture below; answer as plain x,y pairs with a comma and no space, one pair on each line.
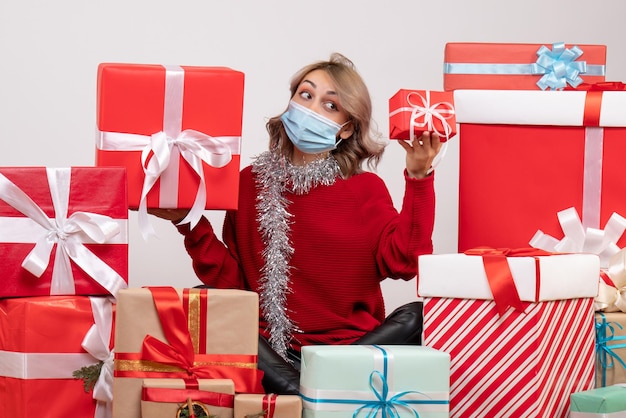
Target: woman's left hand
421,153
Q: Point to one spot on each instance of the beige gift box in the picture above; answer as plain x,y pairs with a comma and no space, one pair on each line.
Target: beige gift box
267,406
220,324
164,397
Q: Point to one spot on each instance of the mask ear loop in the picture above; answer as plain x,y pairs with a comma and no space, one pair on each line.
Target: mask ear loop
339,131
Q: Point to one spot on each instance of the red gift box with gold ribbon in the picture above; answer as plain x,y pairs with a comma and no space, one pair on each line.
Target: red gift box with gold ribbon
177,130
58,237
162,332
545,165
519,66
518,325
44,340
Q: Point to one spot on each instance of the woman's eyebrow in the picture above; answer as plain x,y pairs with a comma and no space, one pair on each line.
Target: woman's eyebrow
331,92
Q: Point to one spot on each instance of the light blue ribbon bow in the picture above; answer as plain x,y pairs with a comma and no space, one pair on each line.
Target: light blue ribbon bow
387,407
559,66
605,333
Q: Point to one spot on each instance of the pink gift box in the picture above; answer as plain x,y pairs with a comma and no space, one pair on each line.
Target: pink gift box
58,236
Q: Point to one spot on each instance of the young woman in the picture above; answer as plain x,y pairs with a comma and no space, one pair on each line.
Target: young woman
315,234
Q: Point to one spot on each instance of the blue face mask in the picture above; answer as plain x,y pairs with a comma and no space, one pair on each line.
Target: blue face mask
310,132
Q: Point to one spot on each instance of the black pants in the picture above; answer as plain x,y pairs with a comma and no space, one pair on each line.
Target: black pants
402,327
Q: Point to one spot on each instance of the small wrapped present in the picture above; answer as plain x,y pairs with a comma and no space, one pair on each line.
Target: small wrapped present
177,130
58,237
610,348
574,142
172,398
400,381
162,332
270,405
608,402
412,112
55,354
518,325
502,66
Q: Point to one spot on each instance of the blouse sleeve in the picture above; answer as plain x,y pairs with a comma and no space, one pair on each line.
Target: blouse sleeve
407,235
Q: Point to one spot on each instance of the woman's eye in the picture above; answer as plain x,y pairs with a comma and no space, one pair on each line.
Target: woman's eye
331,106
305,95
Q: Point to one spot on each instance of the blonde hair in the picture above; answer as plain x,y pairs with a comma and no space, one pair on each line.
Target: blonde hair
354,98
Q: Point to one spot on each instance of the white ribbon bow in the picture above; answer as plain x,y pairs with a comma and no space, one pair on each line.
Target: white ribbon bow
68,233
423,114
578,239
96,343
613,298
195,148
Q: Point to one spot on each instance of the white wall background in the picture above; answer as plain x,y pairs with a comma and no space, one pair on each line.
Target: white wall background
50,50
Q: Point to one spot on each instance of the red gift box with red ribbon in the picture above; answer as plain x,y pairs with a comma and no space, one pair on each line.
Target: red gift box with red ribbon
518,325
519,66
412,112
177,130
546,163
59,237
44,340
162,332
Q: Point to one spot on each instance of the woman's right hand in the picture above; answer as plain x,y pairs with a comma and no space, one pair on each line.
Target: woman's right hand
174,215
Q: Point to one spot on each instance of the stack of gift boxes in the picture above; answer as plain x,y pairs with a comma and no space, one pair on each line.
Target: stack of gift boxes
541,206
73,336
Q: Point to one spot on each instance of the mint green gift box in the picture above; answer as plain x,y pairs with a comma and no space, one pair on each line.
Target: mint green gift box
606,402
342,381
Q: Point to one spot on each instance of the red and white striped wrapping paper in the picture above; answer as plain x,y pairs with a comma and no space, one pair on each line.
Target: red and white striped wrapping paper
522,364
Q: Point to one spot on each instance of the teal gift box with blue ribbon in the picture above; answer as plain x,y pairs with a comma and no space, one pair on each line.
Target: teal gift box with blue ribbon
507,66
371,380
610,348
608,402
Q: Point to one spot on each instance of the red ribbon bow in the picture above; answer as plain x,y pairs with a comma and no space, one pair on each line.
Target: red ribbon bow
179,350
499,274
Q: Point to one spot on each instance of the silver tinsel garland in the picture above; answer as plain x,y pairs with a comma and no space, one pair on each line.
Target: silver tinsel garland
275,177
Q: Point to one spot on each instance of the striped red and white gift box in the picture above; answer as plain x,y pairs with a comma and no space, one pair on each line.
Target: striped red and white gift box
520,364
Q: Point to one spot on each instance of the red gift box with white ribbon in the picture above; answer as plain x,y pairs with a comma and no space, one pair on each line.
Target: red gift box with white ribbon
44,341
412,112
177,130
543,161
518,325
63,231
